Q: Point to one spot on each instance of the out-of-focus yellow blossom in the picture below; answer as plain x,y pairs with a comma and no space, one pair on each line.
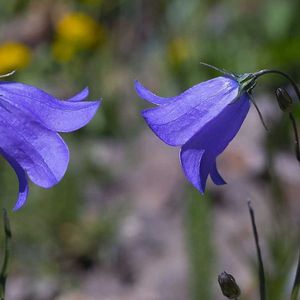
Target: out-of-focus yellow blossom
13,56
76,32
79,29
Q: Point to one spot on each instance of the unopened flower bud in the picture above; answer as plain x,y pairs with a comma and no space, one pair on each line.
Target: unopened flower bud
284,99
228,285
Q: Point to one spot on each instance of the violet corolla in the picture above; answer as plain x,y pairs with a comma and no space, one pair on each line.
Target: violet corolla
202,121
30,120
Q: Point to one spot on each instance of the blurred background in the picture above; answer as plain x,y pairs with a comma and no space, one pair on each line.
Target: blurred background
124,224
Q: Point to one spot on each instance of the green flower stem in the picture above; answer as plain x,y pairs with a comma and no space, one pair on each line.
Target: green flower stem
261,272
296,287
288,77
296,135
7,238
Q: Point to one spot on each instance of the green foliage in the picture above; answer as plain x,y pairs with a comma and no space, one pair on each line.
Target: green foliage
199,243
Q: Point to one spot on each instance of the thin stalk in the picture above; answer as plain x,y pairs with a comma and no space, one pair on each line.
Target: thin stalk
7,238
296,135
288,77
261,272
216,68
297,91
259,113
296,286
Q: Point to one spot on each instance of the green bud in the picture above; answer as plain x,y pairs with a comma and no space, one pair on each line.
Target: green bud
284,99
229,287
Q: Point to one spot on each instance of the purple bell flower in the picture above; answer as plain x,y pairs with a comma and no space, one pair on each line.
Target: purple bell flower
29,122
202,121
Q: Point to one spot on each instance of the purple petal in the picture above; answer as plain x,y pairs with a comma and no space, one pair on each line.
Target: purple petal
215,175
56,115
23,183
198,155
80,96
196,166
40,152
149,96
178,121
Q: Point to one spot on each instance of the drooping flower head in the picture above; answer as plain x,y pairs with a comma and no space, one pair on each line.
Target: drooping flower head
29,121
202,121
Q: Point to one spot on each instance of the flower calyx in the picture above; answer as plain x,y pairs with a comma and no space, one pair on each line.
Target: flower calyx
246,81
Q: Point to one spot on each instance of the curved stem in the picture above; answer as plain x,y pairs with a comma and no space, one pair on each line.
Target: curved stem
297,91
259,113
288,77
296,286
3,273
296,141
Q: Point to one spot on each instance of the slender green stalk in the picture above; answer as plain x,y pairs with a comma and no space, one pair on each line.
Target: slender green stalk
259,113
296,286
261,272
288,77
296,141
7,238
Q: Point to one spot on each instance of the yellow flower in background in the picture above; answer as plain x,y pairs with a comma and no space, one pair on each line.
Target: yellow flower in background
80,29
13,56
76,32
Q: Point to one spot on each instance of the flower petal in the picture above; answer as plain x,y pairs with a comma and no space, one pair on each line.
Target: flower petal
56,115
198,155
215,175
80,96
40,152
190,161
23,183
196,166
149,96
179,120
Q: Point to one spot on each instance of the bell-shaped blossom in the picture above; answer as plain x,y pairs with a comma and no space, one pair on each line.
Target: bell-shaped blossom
202,121
29,121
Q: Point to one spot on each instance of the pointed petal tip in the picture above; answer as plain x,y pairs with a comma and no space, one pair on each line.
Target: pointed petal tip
83,116
21,199
137,84
200,189
80,96
139,88
22,178
147,95
216,176
193,167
